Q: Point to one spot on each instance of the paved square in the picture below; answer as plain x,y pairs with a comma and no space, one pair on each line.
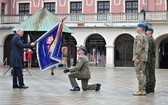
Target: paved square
118,84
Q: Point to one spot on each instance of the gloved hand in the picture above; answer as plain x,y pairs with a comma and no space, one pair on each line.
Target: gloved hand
66,70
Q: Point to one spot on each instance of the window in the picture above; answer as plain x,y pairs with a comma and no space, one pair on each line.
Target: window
131,6
167,4
76,7
76,10
132,10
167,10
3,9
24,8
50,7
103,7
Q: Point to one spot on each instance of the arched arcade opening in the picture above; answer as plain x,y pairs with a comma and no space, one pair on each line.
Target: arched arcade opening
7,48
162,51
96,50
31,36
123,51
163,54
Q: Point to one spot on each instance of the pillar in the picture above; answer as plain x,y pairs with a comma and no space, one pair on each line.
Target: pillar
109,56
2,54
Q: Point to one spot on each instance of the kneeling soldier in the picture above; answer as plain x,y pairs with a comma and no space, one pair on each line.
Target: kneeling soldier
81,72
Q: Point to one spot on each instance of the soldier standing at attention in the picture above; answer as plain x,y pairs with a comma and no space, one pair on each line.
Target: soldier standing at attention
81,72
150,68
140,56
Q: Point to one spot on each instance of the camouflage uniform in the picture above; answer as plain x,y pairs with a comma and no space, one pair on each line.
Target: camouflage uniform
150,69
140,52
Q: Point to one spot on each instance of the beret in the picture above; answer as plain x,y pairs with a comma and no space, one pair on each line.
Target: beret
142,25
150,29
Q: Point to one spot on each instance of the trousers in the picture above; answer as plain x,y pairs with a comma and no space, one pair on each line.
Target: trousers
18,76
84,82
140,74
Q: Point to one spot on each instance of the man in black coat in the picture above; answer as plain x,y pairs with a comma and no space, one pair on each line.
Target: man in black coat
16,58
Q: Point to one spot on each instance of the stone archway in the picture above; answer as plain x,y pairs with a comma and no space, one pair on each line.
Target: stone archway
123,51
70,42
7,48
163,54
96,50
162,51
33,37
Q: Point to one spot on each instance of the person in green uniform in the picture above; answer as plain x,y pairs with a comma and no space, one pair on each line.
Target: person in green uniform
81,72
140,56
150,68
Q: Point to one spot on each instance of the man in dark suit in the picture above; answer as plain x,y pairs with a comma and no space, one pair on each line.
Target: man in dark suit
16,58
81,72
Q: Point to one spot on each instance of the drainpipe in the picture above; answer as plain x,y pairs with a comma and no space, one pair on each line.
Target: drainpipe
147,5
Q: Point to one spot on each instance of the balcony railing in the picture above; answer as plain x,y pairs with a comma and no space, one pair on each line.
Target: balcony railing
96,18
9,19
122,17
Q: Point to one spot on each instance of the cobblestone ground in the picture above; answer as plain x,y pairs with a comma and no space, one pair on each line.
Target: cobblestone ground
118,84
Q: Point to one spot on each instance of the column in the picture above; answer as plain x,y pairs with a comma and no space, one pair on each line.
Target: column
109,56
2,55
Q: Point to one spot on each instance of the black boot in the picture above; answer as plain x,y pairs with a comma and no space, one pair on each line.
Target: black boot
150,90
98,87
75,89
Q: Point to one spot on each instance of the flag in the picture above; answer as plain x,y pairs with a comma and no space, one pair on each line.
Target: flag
48,50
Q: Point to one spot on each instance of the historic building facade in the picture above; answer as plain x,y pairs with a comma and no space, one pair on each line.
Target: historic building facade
105,27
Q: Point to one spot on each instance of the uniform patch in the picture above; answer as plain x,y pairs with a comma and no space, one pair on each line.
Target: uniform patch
79,60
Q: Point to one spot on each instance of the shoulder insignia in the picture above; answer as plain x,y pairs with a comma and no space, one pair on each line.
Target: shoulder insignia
79,60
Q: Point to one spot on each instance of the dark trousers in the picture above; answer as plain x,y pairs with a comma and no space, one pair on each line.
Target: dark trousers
150,76
85,85
18,75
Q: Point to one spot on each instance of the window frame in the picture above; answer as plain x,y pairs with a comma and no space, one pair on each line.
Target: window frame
26,10
77,8
3,6
131,8
51,6
105,8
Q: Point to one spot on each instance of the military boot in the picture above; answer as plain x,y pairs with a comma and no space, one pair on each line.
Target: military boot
140,93
75,89
151,90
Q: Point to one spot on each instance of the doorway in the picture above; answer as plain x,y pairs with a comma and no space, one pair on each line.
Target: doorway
163,54
124,51
96,50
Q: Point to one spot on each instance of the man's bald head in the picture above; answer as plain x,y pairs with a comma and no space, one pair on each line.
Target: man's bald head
20,32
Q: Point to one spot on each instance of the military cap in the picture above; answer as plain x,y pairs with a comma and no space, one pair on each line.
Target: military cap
150,29
81,48
142,25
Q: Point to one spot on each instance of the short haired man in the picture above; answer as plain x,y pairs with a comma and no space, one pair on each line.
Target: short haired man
140,56
81,72
150,69
16,58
